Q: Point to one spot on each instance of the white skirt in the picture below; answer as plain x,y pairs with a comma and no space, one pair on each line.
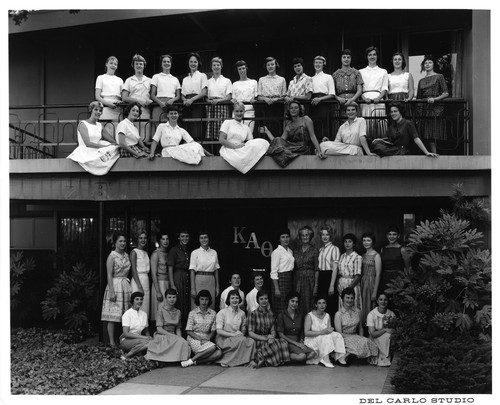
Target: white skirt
189,153
339,148
243,159
96,161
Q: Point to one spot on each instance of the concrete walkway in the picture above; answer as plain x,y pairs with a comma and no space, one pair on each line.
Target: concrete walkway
359,379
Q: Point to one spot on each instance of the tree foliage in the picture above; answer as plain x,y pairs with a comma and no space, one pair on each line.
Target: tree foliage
19,266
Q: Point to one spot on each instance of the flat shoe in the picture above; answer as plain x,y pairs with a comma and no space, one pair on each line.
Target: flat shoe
343,364
327,364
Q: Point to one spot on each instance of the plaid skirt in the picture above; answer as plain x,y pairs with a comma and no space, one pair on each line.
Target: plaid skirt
285,283
126,153
273,354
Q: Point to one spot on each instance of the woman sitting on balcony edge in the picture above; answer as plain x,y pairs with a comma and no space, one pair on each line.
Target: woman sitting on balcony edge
170,135
400,133
97,151
127,135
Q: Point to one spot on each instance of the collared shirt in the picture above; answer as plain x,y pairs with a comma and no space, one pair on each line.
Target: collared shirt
261,321
194,83
402,133
323,83
201,323
375,81
347,81
231,321
272,86
351,133
130,132
291,328
376,319
223,297
135,320
281,261
252,303
236,132
178,257
167,135
169,320
110,85
204,260
300,86
219,88
166,84
350,265
329,254
139,89
245,90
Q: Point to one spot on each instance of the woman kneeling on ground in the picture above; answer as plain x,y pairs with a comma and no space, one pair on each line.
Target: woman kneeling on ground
290,327
348,323
135,337
270,351
231,330
167,344
201,329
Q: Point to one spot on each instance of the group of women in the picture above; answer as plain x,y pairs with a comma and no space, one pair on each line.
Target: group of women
304,102
309,325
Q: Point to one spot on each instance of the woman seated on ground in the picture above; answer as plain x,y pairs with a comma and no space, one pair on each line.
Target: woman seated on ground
348,323
200,329
97,151
135,337
321,336
261,328
127,135
170,135
378,323
351,136
239,148
167,344
231,324
298,137
399,135
290,327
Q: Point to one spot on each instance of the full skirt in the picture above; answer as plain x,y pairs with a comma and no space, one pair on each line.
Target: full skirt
168,348
360,346
113,311
243,159
236,350
190,153
96,161
323,345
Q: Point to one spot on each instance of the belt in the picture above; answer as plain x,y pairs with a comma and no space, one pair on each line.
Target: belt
204,273
371,91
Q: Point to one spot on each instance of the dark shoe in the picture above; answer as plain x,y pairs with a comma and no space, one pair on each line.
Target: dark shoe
343,364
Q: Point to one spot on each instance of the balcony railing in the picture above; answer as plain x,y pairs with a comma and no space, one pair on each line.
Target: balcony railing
50,131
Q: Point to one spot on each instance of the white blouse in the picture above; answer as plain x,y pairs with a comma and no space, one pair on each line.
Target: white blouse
166,84
194,83
245,90
129,130
282,260
399,83
219,88
167,135
236,132
376,80
110,85
135,320
351,133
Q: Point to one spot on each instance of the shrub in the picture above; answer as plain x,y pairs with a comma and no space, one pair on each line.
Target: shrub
19,265
46,362
443,366
74,297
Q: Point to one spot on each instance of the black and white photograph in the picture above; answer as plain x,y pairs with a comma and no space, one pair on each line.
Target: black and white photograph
249,199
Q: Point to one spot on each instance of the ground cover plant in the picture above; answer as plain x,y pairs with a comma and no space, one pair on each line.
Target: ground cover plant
56,363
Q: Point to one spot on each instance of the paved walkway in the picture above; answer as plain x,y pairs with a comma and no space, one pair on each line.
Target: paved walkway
359,379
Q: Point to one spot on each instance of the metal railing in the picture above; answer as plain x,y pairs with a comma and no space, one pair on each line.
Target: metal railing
53,133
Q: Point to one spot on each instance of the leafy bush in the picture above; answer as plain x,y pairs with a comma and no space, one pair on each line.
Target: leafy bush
75,297
19,265
46,362
444,366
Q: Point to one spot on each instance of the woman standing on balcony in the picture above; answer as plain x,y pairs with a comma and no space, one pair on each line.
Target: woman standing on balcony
136,90
400,82
348,81
139,260
245,91
108,90
165,88
127,135
97,151
271,90
431,88
239,148
375,86
170,135
219,91
298,137
194,88
118,291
